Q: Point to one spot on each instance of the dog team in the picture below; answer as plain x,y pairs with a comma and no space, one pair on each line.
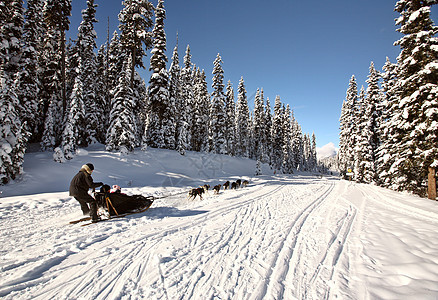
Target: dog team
193,193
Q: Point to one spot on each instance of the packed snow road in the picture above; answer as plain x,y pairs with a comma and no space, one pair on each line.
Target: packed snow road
282,237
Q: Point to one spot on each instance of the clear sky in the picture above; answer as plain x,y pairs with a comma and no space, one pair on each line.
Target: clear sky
304,51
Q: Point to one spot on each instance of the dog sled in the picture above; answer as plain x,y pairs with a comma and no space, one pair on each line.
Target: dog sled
117,203
112,204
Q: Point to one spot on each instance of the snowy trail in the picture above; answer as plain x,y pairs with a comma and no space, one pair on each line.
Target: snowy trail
283,237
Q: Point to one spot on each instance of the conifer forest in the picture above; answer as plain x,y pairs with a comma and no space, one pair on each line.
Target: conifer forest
70,95
389,130
64,95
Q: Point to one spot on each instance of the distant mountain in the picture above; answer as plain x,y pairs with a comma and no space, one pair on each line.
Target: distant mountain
328,150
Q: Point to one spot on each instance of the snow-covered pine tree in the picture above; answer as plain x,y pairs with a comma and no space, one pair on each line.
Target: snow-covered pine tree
243,133
202,98
180,107
287,157
268,133
200,112
306,152
348,121
135,24
102,94
86,43
387,149
277,134
56,13
28,79
361,138
313,158
418,77
187,98
72,65
174,98
297,145
116,57
11,33
121,131
371,117
53,79
217,109
13,137
157,131
258,124
74,125
230,120
140,107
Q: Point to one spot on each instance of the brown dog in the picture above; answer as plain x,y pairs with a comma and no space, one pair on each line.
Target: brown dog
195,192
217,188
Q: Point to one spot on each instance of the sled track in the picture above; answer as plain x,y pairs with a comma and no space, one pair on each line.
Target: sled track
327,266
137,258
398,206
288,257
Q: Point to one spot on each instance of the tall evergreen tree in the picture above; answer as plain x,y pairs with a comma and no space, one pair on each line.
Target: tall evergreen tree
297,145
387,149
86,42
116,57
277,134
158,91
370,120
11,33
75,123
242,121
56,13
121,131
135,23
28,75
174,98
230,120
53,78
287,157
348,124
418,77
102,97
188,97
268,132
202,99
361,139
258,127
13,137
217,109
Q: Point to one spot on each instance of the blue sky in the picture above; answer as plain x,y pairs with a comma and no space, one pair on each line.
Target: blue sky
304,51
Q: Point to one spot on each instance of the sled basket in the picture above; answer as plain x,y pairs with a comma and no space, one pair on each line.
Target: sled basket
118,203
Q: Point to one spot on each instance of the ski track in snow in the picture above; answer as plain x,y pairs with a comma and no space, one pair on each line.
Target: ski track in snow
283,238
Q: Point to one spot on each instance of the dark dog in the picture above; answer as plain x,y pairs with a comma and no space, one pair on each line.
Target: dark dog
195,192
238,182
217,188
234,185
226,185
206,187
245,183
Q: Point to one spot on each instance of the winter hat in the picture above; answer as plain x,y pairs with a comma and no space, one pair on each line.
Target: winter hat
88,168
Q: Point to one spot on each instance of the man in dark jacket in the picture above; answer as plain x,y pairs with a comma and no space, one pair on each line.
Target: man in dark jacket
79,186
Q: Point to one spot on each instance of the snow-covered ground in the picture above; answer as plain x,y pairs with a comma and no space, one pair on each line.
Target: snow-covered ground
295,236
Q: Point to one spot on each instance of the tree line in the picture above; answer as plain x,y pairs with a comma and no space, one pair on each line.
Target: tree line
70,94
389,132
